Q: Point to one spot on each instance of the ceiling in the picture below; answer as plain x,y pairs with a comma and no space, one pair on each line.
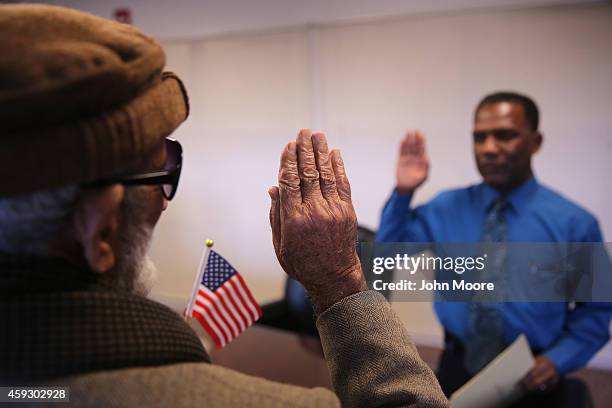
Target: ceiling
200,18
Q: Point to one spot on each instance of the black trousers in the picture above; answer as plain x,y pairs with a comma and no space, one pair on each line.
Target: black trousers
452,375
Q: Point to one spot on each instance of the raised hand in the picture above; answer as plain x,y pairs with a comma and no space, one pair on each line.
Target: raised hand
413,163
314,226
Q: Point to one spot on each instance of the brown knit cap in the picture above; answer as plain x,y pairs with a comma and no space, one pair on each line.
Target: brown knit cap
81,98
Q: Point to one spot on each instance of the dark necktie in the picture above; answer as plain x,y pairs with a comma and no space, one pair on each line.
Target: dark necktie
485,330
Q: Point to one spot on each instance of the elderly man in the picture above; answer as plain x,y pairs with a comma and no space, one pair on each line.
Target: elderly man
87,170
509,205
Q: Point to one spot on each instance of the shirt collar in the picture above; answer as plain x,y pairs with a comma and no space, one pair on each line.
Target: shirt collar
517,198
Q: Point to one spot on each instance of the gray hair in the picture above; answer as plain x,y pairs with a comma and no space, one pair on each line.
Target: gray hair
28,223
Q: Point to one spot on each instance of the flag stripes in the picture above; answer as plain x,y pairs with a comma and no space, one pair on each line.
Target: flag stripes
224,305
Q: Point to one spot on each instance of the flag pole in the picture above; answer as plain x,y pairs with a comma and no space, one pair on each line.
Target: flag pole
198,279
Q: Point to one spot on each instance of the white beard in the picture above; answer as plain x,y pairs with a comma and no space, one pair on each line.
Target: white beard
134,270
145,277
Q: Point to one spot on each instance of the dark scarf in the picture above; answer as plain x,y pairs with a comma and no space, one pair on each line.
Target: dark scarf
58,320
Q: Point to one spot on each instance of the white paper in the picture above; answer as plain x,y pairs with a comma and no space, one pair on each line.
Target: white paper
496,384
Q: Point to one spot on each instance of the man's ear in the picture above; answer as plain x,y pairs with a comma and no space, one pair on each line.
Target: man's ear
96,224
538,139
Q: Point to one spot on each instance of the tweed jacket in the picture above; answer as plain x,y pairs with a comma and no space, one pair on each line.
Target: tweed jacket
63,326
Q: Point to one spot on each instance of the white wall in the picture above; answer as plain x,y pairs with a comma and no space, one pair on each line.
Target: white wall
248,97
429,73
365,83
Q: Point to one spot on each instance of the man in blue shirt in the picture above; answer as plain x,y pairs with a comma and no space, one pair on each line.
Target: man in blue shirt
505,138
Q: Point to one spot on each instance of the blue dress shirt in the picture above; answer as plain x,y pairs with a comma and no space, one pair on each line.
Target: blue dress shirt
569,337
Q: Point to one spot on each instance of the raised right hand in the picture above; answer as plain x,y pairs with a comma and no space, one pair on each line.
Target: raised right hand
314,226
413,163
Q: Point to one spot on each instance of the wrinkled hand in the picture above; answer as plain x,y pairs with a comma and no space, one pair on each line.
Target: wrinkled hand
314,226
542,377
413,163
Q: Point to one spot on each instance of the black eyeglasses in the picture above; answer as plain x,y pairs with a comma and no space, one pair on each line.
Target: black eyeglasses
167,179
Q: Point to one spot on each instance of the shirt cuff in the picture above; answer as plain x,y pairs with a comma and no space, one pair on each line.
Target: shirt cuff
568,354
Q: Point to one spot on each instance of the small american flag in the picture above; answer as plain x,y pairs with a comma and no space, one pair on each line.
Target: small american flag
224,305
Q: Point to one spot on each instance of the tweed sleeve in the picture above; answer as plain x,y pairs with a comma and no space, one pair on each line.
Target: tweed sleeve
371,359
